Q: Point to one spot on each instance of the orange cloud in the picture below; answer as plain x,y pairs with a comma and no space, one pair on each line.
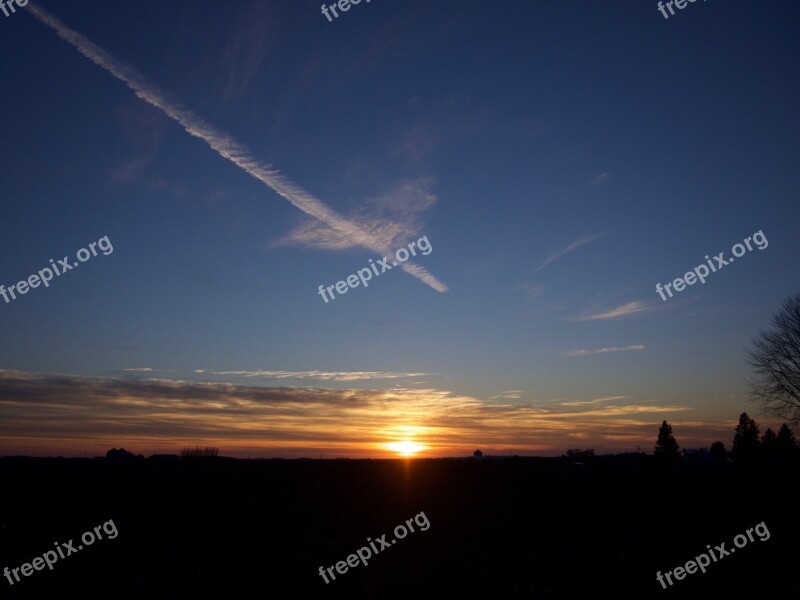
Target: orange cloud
70,415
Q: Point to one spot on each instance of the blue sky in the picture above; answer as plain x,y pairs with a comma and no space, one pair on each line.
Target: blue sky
561,158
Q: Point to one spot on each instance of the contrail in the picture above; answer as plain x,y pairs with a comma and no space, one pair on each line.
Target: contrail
573,246
225,145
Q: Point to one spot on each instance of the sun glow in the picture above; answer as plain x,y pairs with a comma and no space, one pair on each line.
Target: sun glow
405,448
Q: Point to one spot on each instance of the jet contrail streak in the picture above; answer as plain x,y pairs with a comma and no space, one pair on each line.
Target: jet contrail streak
224,145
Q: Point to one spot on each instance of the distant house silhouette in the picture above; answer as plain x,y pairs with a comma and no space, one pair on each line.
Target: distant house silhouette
477,455
121,455
697,456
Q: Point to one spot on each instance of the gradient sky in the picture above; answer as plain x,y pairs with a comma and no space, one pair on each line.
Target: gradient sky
561,158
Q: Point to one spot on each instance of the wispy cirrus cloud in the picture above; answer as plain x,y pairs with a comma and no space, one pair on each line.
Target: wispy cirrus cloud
320,375
393,218
572,247
508,395
228,148
595,401
532,291
252,34
605,350
628,409
626,310
418,141
141,127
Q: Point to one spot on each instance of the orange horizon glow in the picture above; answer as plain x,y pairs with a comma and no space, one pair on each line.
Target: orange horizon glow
86,416
405,448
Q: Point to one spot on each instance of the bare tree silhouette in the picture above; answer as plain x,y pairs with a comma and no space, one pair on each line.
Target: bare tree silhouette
775,358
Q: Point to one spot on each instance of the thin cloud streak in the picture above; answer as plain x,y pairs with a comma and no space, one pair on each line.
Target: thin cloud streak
532,291
321,375
595,401
626,310
605,350
224,145
573,246
508,395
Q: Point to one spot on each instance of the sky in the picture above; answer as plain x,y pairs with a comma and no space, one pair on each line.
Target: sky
557,160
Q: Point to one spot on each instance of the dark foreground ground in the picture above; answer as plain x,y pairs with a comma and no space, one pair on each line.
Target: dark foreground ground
515,528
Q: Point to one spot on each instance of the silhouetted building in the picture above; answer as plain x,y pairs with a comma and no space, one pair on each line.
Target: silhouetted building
477,455
699,456
121,455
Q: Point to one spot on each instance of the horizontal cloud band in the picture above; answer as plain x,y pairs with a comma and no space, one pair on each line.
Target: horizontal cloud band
62,414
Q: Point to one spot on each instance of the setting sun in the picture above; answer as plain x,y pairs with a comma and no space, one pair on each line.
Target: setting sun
405,448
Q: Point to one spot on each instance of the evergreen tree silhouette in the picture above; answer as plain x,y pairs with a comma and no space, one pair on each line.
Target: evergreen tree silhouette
746,445
718,452
787,444
666,446
769,442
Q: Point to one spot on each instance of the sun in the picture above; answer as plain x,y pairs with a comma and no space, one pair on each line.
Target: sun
405,448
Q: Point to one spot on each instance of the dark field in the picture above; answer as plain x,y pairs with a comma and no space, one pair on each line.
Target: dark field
513,528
